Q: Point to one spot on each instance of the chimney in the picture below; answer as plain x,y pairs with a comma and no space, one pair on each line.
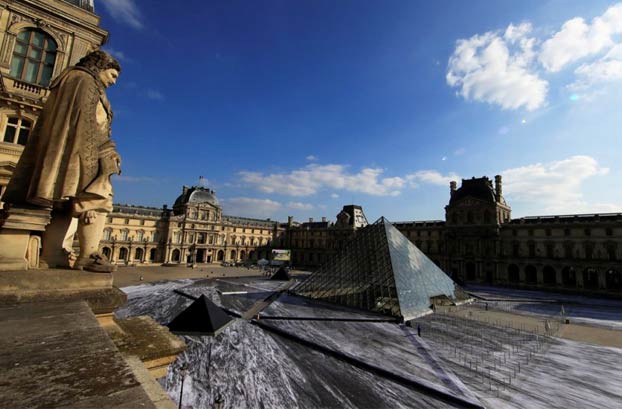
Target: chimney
452,187
290,221
323,219
498,188
310,219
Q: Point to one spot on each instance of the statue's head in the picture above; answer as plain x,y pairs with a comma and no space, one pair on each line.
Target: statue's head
102,64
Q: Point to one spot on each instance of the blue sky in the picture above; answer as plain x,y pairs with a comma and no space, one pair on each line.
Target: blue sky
299,107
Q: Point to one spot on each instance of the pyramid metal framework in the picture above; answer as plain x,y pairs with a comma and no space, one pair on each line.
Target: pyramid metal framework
381,270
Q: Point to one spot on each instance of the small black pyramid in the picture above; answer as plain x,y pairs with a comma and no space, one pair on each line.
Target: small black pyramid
202,317
281,274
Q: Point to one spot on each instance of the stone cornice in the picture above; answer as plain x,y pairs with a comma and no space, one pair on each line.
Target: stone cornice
60,16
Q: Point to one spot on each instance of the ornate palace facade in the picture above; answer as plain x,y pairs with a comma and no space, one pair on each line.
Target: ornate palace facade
193,231
38,40
479,242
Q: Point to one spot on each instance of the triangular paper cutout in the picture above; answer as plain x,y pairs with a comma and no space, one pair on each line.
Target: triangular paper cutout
202,317
281,274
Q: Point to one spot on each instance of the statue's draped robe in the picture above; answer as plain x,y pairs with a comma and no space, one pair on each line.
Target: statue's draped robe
69,156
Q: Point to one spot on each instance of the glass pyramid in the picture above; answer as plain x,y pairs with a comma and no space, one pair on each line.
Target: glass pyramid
380,270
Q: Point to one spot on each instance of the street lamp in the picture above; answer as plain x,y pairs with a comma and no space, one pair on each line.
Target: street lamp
114,242
183,371
129,252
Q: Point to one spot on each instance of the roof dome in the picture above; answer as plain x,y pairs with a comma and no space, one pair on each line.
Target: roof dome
196,195
478,188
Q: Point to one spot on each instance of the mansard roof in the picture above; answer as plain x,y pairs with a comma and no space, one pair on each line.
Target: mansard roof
478,188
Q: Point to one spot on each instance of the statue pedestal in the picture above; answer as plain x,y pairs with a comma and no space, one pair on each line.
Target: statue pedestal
20,239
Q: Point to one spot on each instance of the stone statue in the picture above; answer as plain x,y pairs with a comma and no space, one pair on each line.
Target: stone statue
67,163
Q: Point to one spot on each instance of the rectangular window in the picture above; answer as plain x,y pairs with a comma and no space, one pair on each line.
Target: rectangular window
550,251
9,134
568,251
22,138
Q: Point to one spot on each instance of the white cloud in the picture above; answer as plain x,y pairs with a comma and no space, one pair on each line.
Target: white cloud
498,69
119,55
554,186
444,158
576,39
311,158
125,11
300,206
334,195
313,178
459,151
252,207
602,71
155,95
431,177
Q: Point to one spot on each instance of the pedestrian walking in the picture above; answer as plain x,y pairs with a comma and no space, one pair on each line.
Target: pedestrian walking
418,330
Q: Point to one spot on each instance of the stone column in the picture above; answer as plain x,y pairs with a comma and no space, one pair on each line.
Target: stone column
579,277
602,280
521,274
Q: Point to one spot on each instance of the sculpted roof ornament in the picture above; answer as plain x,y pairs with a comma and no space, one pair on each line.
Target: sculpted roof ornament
83,4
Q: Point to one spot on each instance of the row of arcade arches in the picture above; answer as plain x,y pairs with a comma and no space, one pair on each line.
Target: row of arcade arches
569,276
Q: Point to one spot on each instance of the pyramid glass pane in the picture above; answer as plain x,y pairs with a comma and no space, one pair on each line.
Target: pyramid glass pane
359,276
417,278
380,270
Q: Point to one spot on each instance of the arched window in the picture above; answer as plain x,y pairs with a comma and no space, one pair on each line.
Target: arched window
33,57
17,130
531,274
513,273
549,275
